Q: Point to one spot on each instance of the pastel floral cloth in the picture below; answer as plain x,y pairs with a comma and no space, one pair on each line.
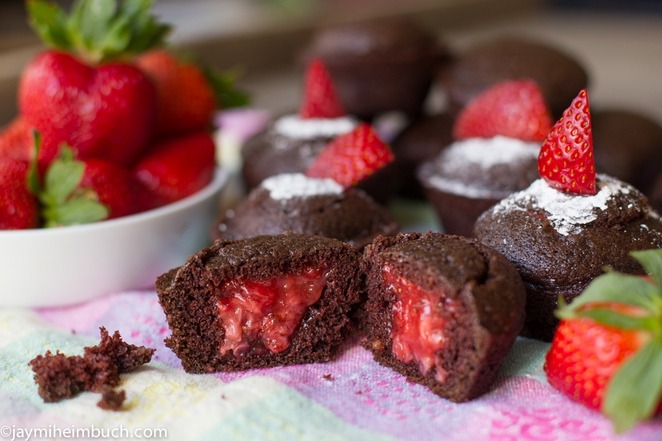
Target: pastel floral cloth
351,398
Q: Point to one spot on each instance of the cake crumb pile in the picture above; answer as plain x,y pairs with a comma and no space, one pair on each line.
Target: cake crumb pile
60,376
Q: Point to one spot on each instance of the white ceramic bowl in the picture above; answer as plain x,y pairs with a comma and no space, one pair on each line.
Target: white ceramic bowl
52,267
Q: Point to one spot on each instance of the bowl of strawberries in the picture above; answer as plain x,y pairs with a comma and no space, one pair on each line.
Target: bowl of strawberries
108,174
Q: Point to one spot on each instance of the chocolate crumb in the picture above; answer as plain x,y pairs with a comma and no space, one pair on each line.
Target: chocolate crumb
112,399
126,356
59,376
328,377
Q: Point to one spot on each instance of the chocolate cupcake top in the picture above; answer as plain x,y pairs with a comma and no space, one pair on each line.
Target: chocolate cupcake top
482,167
293,202
568,239
559,74
373,38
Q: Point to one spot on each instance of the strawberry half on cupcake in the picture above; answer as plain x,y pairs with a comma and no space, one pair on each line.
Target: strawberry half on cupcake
497,141
567,226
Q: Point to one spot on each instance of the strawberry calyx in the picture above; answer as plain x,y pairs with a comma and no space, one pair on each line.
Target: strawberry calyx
98,30
566,160
630,303
223,83
63,201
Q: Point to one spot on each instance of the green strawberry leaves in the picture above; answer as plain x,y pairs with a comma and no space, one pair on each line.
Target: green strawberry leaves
226,93
635,391
98,30
63,202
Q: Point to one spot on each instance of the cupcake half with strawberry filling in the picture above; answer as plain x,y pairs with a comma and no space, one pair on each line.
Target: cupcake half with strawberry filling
565,228
442,310
497,141
259,302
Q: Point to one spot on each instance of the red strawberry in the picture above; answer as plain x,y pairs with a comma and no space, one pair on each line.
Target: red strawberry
607,351
76,94
18,207
320,99
513,108
112,184
177,168
83,191
352,157
566,160
16,140
186,100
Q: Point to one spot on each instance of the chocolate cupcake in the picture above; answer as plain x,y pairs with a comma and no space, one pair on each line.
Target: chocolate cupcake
442,310
379,66
560,242
420,141
294,203
471,175
259,302
559,74
289,145
628,147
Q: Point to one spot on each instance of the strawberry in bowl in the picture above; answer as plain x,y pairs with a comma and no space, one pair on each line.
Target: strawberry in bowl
100,203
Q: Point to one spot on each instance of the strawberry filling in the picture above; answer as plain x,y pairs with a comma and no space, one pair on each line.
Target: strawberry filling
266,311
418,330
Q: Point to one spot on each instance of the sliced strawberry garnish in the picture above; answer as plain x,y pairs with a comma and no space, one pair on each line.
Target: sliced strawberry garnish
266,311
607,351
352,157
513,108
566,160
320,99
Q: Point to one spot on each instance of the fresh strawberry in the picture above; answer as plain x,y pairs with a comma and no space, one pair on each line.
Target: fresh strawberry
352,157
77,93
320,99
18,207
177,168
513,108
186,100
112,185
16,140
607,351
566,160
83,191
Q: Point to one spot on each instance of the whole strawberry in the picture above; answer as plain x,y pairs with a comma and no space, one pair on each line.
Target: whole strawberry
18,206
352,157
607,351
186,100
176,168
566,160
80,92
16,140
513,108
75,191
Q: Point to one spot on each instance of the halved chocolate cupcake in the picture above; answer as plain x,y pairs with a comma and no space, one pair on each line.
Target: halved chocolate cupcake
442,310
259,302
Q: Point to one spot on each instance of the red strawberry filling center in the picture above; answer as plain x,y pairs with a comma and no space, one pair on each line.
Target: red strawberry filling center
419,325
266,311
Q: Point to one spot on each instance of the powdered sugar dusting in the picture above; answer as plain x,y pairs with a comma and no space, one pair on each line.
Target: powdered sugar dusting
487,152
295,127
566,211
459,188
292,185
